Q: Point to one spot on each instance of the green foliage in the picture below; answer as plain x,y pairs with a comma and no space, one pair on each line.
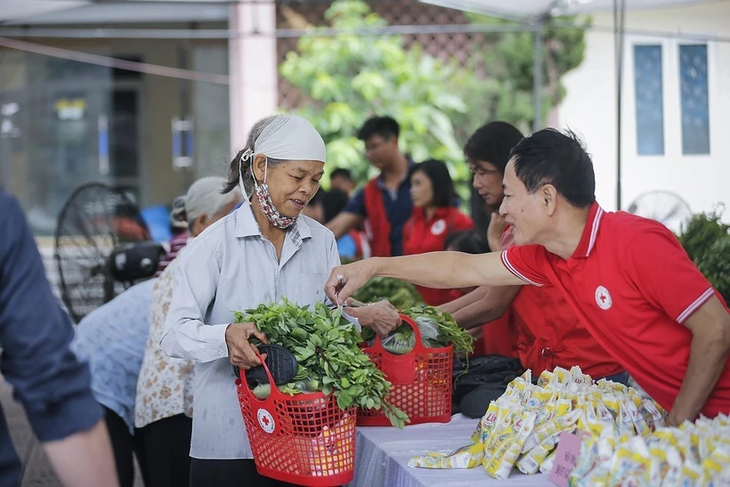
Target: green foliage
702,231
449,332
507,63
401,294
326,348
715,264
348,78
707,242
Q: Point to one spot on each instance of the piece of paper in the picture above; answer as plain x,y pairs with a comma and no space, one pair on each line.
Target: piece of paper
566,458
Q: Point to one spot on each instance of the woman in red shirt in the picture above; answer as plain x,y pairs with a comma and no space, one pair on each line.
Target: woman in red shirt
434,217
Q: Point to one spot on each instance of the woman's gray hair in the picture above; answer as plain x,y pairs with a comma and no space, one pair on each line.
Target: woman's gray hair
233,166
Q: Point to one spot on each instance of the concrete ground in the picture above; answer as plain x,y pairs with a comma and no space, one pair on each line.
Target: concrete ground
37,471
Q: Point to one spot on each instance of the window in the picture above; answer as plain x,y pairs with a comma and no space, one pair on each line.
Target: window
694,99
649,100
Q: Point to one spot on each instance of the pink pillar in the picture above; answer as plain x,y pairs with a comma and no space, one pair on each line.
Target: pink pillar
252,66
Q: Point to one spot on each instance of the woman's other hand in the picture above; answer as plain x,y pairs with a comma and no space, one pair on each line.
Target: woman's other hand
240,351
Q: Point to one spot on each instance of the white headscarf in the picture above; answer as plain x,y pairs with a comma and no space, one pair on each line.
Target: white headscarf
287,137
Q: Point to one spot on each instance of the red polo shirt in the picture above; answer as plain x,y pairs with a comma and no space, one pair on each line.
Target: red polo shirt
421,235
632,285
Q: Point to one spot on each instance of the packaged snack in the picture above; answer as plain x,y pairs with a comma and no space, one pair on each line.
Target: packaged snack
486,423
547,465
637,419
530,463
500,465
468,456
549,428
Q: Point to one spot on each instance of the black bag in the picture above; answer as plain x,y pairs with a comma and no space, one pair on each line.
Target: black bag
480,380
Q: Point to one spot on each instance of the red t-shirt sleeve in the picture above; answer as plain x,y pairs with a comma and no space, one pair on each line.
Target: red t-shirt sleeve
528,263
664,274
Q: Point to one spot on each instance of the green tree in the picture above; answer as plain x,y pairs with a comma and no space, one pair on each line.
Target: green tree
349,77
500,85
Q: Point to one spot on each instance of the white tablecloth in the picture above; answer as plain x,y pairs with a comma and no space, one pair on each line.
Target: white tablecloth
383,454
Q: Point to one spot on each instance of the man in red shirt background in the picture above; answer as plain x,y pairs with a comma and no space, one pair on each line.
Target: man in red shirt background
384,204
627,278
539,322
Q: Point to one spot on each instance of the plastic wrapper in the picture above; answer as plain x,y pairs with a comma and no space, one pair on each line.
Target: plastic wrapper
530,463
547,466
501,463
465,457
522,428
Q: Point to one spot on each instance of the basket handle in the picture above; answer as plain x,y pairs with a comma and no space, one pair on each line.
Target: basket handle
274,389
400,369
417,347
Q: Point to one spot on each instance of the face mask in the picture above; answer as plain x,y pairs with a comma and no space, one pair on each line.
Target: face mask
263,196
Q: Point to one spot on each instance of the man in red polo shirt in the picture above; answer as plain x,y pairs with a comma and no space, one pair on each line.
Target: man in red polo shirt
627,278
539,322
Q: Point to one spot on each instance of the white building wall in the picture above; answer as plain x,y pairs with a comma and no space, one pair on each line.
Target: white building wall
590,108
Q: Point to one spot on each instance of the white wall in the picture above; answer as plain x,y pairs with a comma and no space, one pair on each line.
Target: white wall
590,109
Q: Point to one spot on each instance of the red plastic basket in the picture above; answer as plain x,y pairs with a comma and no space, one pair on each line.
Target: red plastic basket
304,439
422,381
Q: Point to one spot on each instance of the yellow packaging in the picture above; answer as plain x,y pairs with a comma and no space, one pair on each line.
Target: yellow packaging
486,423
611,402
603,413
530,463
656,412
713,465
624,421
503,432
642,429
579,377
468,456
546,377
547,465
564,406
631,463
691,474
500,465
564,376
538,397
549,428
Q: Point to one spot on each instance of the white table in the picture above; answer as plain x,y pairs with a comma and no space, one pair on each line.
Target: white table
383,454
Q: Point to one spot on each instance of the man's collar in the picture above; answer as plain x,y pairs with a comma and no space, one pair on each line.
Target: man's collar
406,177
590,233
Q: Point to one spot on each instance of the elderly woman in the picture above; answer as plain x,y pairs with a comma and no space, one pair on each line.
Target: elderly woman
262,252
164,401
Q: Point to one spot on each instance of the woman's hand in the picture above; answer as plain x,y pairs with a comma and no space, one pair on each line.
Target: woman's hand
382,317
497,224
241,353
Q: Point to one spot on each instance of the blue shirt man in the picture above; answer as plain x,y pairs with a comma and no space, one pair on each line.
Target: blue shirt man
35,334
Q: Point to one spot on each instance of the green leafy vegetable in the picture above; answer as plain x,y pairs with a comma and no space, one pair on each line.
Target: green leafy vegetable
401,294
326,348
449,332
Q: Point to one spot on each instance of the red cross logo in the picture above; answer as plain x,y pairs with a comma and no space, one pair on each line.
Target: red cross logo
266,420
603,298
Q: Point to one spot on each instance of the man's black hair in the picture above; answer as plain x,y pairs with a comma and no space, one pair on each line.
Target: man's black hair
386,127
492,143
559,158
341,172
